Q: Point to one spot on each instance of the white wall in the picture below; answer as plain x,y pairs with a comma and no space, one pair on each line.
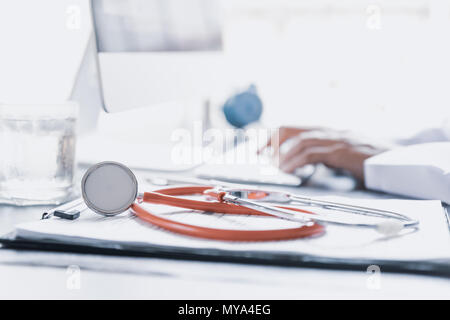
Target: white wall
42,44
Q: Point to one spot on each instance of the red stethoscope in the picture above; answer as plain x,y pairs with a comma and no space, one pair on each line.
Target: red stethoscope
169,197
110,188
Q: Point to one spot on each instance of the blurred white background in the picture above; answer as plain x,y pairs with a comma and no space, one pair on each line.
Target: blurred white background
379,67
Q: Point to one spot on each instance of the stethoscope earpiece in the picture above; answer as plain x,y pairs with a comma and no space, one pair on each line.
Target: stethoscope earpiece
390,227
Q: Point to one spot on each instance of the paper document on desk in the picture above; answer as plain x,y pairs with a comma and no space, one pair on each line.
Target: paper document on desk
431,241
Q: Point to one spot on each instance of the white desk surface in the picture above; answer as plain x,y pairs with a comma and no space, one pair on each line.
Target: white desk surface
44,275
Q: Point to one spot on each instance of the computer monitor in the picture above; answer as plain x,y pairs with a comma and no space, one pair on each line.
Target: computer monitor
157,51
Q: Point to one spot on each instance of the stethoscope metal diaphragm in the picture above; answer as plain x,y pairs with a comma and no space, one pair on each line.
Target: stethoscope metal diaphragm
109,188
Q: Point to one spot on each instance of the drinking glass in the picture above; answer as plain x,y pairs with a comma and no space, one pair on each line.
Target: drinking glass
37,146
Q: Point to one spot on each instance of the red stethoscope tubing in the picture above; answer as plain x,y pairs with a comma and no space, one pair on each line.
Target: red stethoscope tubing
168,197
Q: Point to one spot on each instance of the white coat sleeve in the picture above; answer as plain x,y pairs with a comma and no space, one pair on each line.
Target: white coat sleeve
419,171
426,136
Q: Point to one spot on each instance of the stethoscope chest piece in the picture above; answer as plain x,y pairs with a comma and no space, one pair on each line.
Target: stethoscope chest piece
109,188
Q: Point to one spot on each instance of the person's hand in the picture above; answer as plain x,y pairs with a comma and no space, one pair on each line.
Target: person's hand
335,149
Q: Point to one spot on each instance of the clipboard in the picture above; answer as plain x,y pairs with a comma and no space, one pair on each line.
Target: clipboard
432,267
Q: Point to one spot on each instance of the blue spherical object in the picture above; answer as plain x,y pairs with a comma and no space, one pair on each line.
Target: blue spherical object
243,108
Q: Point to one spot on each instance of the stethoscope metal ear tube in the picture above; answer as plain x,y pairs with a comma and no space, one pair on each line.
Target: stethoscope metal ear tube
281,197
349,208
277,212
392,224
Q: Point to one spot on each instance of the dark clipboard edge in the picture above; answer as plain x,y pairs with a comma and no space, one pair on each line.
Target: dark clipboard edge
438,268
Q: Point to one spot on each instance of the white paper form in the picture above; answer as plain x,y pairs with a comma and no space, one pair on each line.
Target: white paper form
430,241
